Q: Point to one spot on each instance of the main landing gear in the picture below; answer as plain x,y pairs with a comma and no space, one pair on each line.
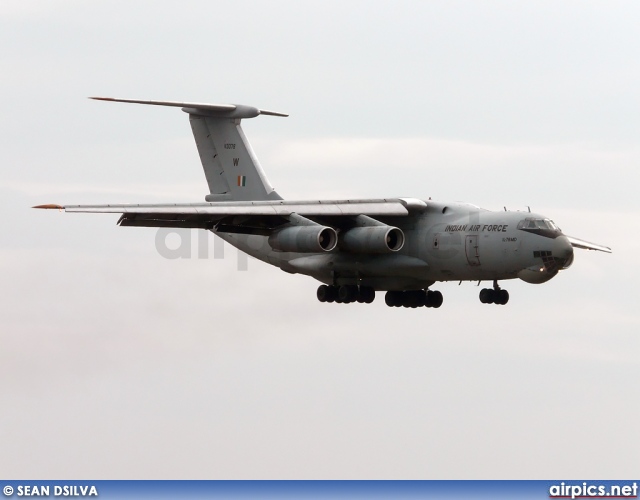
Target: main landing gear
413,298
495,295
346,294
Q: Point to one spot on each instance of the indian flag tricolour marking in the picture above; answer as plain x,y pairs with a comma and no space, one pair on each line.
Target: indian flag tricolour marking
242,180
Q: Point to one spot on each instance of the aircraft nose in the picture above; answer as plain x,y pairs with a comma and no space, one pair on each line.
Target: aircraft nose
562,251
562,247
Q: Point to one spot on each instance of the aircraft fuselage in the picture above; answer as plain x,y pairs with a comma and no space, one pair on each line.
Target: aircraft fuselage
443,242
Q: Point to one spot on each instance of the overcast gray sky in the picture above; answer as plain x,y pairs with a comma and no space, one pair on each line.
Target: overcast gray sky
118,363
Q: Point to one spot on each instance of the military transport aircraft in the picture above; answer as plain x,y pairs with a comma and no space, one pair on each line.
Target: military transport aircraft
355,247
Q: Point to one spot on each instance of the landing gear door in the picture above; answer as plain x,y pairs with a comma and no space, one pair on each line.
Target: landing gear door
471,249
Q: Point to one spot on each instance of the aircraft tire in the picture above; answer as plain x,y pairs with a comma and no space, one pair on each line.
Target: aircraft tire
393,298
371,296
388,299
428,302
415,298
366,294
486,296
326,293
348,293
322,293
434,299
502,297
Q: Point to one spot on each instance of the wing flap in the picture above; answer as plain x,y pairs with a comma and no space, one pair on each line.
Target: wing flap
244,224
171,220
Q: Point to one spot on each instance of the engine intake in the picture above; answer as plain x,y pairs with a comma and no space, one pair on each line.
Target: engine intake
372,239
304,239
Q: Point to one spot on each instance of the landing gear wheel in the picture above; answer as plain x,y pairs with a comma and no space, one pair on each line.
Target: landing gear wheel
322,293
502,297
366,294
434,299
495,295
413,298
486,296
371,296
393,298
421,298
326,293
348,293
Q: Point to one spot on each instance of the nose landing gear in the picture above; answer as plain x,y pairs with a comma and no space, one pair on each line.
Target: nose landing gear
495,295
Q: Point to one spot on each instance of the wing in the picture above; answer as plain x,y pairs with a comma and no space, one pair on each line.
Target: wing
585,245
253,217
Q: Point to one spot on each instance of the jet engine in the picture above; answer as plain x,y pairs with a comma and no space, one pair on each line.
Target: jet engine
372,239
304,239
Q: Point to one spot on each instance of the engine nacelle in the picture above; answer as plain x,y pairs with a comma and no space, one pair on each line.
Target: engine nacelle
372,239
304,239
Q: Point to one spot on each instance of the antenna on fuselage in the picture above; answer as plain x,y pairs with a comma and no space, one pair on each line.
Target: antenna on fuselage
529,208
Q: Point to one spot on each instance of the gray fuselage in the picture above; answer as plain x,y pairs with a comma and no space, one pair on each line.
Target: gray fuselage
443,242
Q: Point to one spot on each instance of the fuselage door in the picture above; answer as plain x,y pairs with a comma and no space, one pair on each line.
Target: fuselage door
471,249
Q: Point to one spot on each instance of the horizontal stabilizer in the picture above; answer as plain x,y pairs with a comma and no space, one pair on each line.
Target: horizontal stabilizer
585,245
217,110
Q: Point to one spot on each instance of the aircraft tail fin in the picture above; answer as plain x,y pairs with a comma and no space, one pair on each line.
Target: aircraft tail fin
230,165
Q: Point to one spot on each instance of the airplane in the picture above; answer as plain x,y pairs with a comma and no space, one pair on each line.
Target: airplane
354,247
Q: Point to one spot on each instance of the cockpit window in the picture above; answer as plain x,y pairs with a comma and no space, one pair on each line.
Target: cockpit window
527,224
532,224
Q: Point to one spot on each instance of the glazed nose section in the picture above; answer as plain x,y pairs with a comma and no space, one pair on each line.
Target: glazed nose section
562,252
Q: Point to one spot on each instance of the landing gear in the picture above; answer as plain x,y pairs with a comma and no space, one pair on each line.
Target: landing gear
413,298
366,295
434,298
346,294
327,293
495,295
